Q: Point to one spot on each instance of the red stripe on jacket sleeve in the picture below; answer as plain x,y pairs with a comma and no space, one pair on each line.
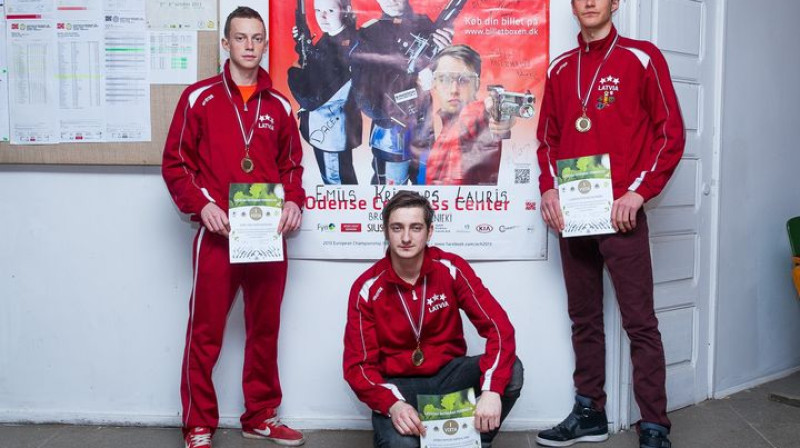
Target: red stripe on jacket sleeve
290,156
361,351
491,322
667,148
180,165
549,135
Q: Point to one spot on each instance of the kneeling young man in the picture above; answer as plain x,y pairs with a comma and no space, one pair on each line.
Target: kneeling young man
404,335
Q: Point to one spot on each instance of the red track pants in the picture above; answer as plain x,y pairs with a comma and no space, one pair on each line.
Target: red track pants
216,282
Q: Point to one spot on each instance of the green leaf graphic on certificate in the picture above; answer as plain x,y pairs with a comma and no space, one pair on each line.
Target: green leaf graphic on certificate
242,195
589,167
452,405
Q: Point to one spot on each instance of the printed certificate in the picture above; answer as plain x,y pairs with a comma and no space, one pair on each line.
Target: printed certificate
449,420
254,211
586,195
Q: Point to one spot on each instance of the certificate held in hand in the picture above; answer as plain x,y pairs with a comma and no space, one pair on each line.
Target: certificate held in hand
449,420
586,195
254,211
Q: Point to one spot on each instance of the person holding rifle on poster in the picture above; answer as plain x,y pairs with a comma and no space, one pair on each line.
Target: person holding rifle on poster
404,333
624,106
233,128
330,120
386,64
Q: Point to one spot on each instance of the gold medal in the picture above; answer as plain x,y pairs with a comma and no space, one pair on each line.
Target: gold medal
583,123
247,165
417,357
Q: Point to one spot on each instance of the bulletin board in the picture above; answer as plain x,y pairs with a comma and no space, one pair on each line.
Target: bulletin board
163,99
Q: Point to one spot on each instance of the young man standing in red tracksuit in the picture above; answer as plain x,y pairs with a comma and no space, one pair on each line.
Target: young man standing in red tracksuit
404,335
233,128
611,95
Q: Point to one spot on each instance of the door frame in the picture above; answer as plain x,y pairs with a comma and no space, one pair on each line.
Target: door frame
619,377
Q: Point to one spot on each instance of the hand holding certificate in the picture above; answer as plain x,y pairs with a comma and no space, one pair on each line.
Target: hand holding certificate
449,420
254,211
586,195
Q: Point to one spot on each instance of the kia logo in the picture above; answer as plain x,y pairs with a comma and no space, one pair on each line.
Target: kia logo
484,228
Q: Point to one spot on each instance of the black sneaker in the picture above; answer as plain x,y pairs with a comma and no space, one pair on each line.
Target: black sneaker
584,424
653,436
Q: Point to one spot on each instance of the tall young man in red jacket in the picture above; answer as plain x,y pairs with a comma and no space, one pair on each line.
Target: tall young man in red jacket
624,105
404,334
233,128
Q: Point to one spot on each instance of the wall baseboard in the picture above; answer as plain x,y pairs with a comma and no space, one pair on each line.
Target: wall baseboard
754,383
17,417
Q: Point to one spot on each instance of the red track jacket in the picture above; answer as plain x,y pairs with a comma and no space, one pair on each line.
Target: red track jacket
379,340
634,111
204,147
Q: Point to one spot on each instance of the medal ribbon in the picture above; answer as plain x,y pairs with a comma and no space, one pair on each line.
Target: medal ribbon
585,101
416,328
247,137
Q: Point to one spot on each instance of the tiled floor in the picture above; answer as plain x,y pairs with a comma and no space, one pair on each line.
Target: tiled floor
748,419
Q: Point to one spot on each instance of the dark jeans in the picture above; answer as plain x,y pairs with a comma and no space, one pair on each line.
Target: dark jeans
458,374
627,256
336,168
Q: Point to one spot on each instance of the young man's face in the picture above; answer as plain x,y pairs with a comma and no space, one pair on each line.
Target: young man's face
328,14
247,43
594,14
455,84
407,232
393,8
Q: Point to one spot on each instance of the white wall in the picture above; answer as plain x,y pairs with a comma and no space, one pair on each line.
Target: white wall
94,285
758,318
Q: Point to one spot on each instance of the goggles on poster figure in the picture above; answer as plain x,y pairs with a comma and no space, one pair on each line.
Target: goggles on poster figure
463,79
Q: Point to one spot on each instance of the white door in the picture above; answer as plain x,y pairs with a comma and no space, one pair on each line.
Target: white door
682,220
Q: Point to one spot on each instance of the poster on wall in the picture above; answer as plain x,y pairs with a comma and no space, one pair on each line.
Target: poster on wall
438,96
32,51
200,15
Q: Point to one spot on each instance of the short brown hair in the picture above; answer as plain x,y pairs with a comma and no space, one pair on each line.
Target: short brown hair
242,12
463,53
407,199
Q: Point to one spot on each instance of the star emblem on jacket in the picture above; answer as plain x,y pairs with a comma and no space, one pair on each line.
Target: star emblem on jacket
437,302
266,121
608,87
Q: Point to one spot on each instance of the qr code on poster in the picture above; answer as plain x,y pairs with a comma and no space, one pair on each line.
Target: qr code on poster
522,175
